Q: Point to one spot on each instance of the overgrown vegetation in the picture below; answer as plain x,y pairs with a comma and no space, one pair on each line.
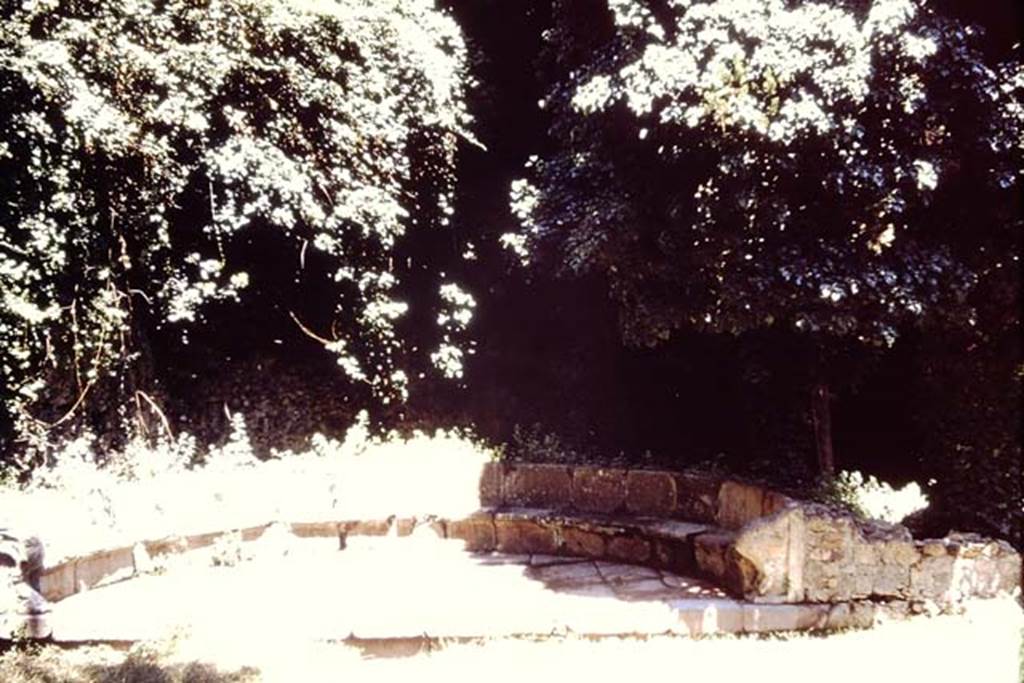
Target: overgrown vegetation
802,218
730,166
85,499
147,147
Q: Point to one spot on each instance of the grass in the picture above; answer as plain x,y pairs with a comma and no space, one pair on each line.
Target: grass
983,645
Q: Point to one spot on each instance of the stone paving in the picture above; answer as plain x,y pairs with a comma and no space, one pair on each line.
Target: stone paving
381,587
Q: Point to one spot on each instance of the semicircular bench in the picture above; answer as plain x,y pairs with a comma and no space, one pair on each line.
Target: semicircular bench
803,565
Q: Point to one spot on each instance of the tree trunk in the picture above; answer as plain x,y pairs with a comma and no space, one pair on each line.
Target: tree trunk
821,413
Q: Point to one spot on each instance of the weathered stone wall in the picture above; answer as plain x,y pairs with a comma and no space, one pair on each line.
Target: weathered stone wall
813,553
767,547
646,493
760,545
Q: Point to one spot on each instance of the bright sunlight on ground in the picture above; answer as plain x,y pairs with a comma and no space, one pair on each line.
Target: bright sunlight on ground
981,646
146,493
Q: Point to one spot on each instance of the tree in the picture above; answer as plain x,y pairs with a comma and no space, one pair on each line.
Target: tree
844,170
144,140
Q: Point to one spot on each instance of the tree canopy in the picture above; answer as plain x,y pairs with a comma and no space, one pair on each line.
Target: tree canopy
143,139
200,197
848,168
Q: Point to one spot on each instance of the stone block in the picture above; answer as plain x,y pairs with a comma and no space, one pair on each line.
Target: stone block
696,497
711,553
314,529
739,503
596,489
850,615
582,543
650,493
254,533
717,559
195,541
820,581
548,486
1011,573
173,545
631,549
708,616
522,536
477,532
404,525
889,580
106,566
58,582
829,536
490,484
772,548
900,553
368,527
766,618
932,578
673,555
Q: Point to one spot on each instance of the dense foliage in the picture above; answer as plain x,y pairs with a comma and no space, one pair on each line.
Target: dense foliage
143,140
733,164
198,196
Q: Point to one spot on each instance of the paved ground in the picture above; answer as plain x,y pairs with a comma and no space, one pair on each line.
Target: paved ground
389,588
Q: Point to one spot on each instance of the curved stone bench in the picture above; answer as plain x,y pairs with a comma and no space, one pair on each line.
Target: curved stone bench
795,565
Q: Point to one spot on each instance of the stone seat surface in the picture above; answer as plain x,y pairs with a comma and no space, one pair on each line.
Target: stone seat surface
383,587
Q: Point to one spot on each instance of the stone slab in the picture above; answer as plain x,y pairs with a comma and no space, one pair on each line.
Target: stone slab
523,536
562,576
765,618
583,543
674,529
496,558
646,589
58,582
411,589
314,529
367,527
633,549
106,566
477,533
616,574
707,616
